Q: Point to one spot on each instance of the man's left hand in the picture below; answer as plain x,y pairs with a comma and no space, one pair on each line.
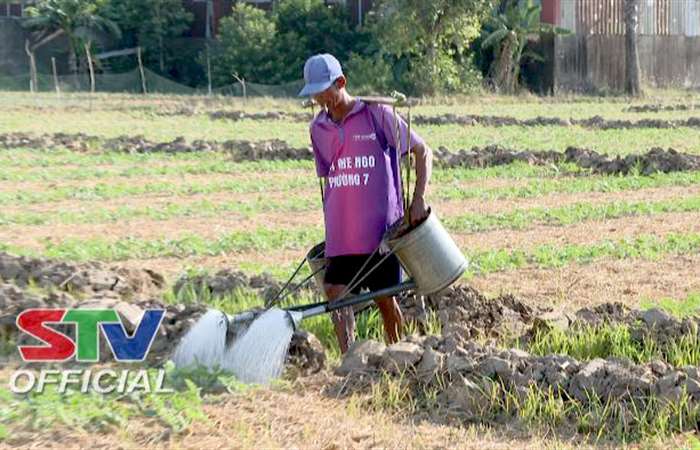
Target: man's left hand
418,210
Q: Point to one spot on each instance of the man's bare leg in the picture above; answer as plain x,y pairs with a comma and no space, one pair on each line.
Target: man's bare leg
392,317
343,319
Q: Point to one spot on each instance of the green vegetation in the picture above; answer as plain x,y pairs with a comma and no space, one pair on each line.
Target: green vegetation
589,342
548,256
454,137
649,247
566,185
687,306
445,191
103,191
91,412
211,166
543,411
161,165
520,219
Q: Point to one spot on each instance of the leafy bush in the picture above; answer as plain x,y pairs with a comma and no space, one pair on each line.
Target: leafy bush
247,40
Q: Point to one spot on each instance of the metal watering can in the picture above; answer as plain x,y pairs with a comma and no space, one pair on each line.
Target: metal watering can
427,253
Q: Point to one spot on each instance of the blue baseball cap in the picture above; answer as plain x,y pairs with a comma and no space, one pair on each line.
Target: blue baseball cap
320,71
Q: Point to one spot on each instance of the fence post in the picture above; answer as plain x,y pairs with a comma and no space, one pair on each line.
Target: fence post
90,68
242,83
55,75
32,67
143,75
208,70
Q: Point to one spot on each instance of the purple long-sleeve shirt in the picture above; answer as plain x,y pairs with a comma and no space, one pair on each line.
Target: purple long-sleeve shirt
363,183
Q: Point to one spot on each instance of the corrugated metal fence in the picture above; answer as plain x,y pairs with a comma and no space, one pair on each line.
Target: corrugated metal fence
656,17
595,62
593,58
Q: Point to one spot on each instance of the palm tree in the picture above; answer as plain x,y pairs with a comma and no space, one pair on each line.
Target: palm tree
510,31
78,20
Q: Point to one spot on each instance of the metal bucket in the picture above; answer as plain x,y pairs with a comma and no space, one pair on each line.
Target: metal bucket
430,255
317,261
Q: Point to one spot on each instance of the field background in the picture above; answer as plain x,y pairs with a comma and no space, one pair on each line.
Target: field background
552,235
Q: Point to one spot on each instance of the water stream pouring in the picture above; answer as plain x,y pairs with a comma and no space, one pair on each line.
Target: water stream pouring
252,345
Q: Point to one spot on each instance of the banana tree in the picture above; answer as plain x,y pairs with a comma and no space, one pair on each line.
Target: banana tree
508,37
78,20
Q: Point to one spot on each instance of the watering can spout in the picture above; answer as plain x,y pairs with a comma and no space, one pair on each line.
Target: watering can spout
294,318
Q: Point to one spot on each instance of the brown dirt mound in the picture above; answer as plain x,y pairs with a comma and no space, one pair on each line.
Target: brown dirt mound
227,281
660,108
654,160
465,314
270,115
595,122
468,374
88,278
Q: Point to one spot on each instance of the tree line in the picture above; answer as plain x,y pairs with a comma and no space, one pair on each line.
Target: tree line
415,46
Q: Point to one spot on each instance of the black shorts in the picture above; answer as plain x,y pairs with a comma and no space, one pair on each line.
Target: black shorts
342,269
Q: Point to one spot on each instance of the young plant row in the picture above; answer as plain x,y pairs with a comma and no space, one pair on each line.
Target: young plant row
648,247
518,219
450,188
522,219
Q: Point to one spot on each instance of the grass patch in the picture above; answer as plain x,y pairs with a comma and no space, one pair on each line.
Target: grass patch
570,185
91,412
520,219
617,340
255,204
649,247
680,308
103,191
216,164
597,420
543,411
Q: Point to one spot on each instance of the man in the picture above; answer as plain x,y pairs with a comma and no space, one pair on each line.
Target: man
355,150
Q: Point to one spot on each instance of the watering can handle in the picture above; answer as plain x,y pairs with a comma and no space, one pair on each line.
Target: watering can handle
325,307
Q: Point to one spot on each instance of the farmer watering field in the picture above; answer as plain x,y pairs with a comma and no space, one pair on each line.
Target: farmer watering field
357,153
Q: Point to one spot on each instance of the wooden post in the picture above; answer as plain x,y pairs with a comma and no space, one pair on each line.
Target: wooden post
90,68
55,75
242,83
143,75
208,70
32,67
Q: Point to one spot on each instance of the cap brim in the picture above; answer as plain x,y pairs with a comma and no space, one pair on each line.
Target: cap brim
314,88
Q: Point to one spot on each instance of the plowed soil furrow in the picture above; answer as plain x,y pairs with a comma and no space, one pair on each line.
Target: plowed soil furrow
208,228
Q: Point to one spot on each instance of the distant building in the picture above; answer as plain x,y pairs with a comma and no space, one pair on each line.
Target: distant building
13,8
